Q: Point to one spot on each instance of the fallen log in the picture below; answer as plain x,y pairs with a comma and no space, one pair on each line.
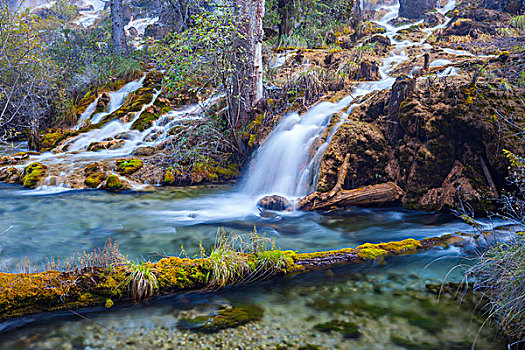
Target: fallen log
29,293
367,196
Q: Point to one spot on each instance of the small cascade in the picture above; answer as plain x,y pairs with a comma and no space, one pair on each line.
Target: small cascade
116,101
288,163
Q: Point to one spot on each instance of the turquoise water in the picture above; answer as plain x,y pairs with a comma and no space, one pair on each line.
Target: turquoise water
388,303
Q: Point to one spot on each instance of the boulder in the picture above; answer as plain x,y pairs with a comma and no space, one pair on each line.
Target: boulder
368,151
103,102
415,8
380,40
144,151
369,71
434,18
401,90
113,144
275,203
10,175
512,6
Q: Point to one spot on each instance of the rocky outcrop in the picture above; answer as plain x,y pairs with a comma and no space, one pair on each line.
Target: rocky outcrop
401,90
512,6
367,147
415,9
369,71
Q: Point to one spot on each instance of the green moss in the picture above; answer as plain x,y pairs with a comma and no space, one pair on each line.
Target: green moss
113,183
50,140
169,178
109,303
129,166
347,329
371,253
33,173
225,318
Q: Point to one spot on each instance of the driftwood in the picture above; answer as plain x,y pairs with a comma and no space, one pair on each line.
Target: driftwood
371,195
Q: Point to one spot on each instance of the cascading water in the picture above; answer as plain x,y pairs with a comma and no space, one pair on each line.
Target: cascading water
287,164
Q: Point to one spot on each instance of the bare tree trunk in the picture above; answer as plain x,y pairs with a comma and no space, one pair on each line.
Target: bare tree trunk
248,82
120,46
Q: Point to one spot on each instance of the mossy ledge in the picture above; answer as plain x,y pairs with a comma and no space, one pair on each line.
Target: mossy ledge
29,293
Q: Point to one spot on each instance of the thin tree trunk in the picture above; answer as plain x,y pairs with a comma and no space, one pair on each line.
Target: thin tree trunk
120,46
248,80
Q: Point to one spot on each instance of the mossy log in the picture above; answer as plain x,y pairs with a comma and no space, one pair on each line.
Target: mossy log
29,293
370,195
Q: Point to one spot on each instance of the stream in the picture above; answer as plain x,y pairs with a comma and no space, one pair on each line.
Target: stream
390,303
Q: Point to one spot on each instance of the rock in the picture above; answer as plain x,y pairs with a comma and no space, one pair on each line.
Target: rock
133,32
157,31
125,136
512,6
349,330
95,175
369,71
103,102
225,318
10,175
33,174
169,178
97,146
128,117
455,188
466,26
368,151
113,183
275,203
434,18
402,88
380,39
128,166
415,8
144,151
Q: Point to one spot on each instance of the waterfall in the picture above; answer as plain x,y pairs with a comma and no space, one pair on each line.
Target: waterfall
289,161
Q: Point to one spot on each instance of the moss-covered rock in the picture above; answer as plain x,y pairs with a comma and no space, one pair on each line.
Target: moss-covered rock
113,183
368,151
94,175
225,318
128,166
169,178
33,174
10,175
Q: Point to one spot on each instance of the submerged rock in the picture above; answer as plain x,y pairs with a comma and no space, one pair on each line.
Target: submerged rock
276,203
225,318
347,329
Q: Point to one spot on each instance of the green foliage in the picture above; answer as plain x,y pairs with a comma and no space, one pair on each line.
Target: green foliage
201,56
518,22
306,23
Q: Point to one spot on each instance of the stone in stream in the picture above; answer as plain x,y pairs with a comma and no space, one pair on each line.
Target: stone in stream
144,151
113,144
102,103
275,203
